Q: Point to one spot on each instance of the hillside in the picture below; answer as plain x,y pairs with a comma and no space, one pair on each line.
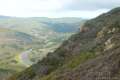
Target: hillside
12,43
91,54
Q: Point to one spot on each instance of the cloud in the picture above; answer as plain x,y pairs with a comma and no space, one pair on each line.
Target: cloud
56,8
43,5
82,14
92,4
31,7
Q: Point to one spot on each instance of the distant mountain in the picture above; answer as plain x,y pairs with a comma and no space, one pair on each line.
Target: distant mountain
17,23
4,17
91,54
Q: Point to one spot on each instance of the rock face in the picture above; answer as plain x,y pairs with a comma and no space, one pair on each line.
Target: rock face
100,36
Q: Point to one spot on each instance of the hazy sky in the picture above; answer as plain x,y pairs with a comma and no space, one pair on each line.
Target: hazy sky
56,8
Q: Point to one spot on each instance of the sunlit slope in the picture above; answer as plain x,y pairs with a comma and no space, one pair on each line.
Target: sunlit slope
12,43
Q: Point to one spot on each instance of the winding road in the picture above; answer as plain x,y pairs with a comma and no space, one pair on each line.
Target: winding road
24,58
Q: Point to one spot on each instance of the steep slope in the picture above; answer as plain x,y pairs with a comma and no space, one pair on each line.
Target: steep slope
106,62
106,49
91,54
